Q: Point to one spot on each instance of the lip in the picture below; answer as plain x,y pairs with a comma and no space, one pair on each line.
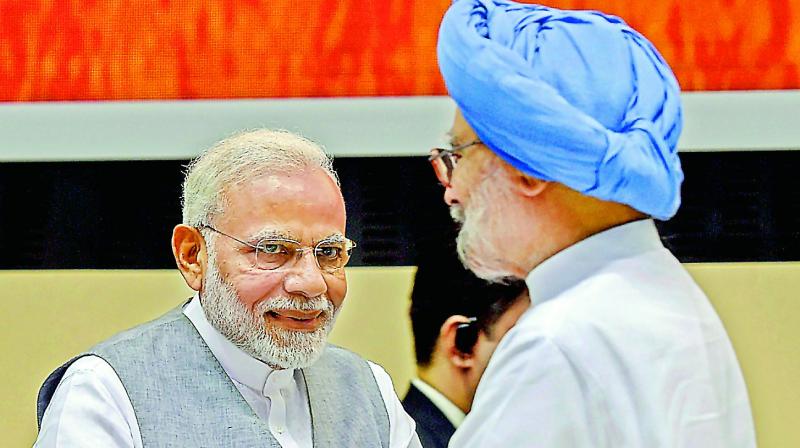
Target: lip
295,319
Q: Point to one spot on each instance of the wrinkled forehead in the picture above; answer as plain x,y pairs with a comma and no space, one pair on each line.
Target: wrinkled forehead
304,205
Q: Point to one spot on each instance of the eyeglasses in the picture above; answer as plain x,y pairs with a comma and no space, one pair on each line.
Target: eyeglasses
444,161
273,254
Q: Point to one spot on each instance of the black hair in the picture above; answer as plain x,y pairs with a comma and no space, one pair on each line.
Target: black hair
442,288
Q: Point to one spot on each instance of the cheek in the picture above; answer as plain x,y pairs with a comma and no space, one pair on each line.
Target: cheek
337,289
467,172
254,288
459,185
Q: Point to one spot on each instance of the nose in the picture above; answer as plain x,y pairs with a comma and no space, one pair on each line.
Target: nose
305,278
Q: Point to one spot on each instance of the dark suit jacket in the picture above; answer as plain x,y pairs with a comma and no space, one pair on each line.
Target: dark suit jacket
433,428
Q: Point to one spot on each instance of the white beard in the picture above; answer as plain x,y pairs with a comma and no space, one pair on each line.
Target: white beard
278,347
479,222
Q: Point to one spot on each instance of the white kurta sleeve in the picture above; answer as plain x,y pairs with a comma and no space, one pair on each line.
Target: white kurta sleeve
90,408
532,395
402,429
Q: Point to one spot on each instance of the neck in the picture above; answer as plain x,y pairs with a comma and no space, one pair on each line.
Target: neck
451,384
565,217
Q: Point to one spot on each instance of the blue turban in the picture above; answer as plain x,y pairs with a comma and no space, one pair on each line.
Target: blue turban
576,97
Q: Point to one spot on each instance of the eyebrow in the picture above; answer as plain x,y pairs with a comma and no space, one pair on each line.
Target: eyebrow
333,238
270,234
284,235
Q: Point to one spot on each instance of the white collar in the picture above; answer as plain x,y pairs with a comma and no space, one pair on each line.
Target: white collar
579,261
240,366
450,410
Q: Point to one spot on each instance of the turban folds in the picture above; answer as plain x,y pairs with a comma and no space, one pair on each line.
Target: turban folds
576,97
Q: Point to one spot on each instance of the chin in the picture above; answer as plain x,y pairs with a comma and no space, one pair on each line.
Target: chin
483,231
482,262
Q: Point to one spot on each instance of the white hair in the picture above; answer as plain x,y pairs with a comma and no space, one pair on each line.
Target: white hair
481,222
241,157
277,347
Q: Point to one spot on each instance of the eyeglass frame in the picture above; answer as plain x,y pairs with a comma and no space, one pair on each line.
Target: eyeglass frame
297,255
444,161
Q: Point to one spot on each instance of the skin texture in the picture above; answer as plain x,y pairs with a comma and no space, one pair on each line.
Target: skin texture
306,206
524,220
455,374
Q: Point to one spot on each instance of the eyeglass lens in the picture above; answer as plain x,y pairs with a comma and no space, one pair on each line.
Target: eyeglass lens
274,254
443,164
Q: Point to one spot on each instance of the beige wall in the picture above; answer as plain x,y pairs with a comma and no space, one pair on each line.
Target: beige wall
50,315
759,304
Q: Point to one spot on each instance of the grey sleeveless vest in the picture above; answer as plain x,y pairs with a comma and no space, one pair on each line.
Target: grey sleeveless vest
183,398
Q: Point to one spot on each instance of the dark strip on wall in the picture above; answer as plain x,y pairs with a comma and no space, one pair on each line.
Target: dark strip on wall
737,206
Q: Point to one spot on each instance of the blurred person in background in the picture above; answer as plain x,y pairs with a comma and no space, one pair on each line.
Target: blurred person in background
457,320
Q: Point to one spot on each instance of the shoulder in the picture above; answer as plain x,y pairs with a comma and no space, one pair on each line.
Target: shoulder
342,353
625,293
356,367
89,393
384,382
343,359
92,371
163,326
631,306
379,373
82,377
347,368
655,273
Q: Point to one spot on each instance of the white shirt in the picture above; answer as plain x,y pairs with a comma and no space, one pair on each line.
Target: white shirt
91,408
619,349
452,412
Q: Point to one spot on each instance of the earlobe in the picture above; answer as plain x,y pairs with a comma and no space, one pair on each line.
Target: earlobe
188,248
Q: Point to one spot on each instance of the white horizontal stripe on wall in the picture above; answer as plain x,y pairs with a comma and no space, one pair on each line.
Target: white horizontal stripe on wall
347,127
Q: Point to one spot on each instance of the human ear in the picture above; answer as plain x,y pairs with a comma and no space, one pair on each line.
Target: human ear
457,336
521,183
529,186
189,250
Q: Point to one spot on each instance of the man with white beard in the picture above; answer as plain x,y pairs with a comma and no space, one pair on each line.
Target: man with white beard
563,150
245,362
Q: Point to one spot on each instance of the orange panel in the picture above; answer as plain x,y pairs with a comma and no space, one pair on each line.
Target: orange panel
166,49
717,44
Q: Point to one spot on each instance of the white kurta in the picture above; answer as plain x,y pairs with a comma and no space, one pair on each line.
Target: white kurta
91,408
619,349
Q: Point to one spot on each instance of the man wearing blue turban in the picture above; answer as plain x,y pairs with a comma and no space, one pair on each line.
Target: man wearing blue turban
563,152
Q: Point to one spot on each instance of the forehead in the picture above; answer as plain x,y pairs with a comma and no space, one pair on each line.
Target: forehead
461,131
306,204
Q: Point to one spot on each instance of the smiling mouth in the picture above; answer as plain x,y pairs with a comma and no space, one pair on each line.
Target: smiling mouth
295,319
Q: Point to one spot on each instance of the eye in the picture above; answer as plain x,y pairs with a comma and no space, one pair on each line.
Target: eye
272,248
329,252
